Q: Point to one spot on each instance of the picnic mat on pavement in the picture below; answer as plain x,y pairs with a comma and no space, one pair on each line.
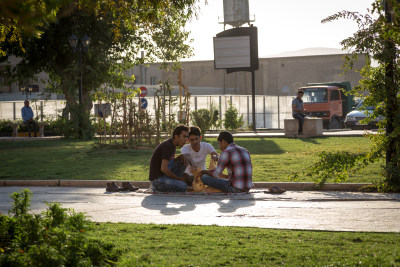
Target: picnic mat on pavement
151,191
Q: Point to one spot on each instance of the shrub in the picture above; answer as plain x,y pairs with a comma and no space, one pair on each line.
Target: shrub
232,119
5,126
205,119
57,237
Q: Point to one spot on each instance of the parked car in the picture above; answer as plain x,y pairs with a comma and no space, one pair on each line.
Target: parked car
354,118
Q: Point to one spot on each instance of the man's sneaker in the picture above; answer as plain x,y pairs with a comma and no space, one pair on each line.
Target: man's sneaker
127,186
276,190
113,187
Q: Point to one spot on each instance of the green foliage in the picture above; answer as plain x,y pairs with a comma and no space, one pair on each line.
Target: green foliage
23,17
232,119
57,237
377,40
62,126
5,126
335,166
206,119
21,203
119,30
99,126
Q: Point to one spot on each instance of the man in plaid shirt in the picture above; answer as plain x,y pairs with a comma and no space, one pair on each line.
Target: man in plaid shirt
237,161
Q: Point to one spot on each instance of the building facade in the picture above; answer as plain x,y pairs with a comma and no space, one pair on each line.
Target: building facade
276,76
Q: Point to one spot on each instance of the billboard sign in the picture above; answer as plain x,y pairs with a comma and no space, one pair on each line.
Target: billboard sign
236,50
232,52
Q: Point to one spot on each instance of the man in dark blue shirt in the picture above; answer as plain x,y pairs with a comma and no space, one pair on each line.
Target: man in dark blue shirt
298,110
27,116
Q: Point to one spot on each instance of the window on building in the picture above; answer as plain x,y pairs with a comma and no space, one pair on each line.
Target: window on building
153,80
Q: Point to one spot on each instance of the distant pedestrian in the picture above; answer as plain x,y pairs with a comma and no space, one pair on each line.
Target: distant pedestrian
27,116
298,110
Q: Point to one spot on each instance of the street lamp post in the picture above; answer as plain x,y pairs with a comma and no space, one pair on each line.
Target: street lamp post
79,44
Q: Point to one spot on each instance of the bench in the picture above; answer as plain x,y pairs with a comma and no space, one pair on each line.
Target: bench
16,125
311,127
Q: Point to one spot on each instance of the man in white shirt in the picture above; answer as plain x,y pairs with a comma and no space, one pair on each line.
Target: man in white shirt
196,151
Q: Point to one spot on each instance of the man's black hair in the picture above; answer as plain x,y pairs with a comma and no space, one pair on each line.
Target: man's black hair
194,130
179,129
227,136
300,92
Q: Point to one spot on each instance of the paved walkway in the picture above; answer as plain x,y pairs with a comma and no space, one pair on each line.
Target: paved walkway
332,211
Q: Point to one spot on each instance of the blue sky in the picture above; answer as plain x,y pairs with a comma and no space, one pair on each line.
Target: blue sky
284,25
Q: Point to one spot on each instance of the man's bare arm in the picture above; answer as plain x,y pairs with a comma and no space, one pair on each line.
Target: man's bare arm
168,172
214,156
208,172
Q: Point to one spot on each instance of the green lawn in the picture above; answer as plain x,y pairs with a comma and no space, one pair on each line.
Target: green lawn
186,245
274,159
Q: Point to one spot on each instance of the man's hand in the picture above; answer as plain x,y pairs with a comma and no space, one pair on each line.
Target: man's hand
193,169
214,157
188,179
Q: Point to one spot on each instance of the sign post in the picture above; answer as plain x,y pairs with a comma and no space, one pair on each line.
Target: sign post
143,91
237,50
143,103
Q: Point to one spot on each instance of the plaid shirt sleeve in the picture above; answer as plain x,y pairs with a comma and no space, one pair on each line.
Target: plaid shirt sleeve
222,163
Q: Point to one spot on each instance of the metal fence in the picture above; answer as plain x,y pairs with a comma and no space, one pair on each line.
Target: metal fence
270,110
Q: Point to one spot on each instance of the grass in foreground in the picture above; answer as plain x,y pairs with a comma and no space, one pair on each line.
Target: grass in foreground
186,245
274,159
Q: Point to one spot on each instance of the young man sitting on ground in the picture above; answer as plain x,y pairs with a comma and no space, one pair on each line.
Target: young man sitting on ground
196,151
167,171
237,161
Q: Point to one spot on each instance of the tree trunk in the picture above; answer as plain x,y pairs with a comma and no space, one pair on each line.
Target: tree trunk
392,167
79,115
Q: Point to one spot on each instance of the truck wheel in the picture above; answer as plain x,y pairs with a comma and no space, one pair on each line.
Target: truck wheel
325,124
334,124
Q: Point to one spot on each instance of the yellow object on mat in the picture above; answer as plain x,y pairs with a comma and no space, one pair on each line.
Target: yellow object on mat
198,185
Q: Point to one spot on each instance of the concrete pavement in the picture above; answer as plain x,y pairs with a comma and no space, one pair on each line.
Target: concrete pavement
311,210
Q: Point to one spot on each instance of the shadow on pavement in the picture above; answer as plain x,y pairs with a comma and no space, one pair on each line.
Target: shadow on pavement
176,204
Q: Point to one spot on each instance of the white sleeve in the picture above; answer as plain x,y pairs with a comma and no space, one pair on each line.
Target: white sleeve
185,149
209,148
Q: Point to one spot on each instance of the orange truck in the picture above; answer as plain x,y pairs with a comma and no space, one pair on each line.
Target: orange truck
329,102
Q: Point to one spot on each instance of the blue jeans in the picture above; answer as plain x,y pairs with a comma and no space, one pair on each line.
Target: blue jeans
167,184
219,183
300,118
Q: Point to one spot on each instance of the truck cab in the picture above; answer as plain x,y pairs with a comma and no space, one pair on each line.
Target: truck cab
328,102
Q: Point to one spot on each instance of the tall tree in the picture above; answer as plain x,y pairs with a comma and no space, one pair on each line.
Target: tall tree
23,17
118,29
379,38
